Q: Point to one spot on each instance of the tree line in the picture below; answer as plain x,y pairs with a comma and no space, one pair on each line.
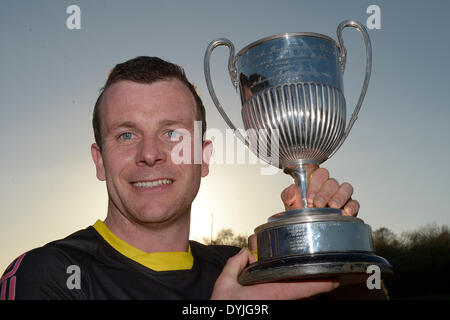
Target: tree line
421,261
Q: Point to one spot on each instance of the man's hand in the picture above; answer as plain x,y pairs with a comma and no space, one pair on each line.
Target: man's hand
322,191
228,288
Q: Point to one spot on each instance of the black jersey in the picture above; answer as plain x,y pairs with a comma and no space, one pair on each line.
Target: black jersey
92,264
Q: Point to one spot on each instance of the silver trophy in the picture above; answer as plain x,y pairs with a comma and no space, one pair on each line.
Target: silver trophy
291,87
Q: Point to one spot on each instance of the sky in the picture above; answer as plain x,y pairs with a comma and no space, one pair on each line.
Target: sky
50,76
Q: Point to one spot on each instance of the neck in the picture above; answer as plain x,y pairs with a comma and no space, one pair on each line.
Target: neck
151,237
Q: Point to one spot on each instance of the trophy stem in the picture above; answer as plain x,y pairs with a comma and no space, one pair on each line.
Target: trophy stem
301,173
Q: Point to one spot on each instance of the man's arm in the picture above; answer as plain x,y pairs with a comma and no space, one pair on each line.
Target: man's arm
40,274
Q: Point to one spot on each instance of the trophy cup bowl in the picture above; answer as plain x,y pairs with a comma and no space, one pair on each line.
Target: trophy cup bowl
291,87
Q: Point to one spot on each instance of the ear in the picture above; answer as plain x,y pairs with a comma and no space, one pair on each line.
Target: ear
98,161
207,149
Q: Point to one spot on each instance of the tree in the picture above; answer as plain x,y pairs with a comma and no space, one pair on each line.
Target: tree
421,260
227,237
383,236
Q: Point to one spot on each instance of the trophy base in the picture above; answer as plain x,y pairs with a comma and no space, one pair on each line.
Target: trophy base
313,243
346,267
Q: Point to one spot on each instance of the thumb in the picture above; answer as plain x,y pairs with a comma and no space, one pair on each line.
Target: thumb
237,263
291,198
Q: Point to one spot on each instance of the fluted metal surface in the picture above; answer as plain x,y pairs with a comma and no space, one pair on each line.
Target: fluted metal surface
291,86
309,118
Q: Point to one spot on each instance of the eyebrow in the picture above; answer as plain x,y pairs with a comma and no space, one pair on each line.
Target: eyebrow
172,122
126,124
130,124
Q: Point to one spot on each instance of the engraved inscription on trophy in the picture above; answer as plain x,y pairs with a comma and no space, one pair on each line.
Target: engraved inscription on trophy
296,236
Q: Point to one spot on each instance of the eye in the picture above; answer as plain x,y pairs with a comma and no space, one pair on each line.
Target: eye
126,136
173,135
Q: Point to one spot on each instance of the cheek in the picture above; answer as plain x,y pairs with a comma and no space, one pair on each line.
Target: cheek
118,161
194,183
191,174
183,151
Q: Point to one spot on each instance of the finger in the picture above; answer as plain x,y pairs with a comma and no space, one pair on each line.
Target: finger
291,198
329,188
252,244
236,264
226,284
342,196
351,208
317,179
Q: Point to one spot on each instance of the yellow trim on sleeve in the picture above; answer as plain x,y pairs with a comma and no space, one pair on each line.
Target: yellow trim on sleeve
157,261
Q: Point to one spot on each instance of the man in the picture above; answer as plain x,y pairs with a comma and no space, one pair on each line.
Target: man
142,249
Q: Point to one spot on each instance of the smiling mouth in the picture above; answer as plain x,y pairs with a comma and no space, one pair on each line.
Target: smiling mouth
152,184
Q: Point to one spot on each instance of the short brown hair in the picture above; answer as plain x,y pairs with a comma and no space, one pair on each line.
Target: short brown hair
145,70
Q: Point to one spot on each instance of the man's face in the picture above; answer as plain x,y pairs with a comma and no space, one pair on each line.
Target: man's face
138,126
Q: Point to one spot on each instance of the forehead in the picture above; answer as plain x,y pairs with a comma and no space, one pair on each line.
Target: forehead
146,103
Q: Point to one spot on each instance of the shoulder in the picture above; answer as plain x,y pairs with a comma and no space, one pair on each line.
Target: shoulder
44,272
217,253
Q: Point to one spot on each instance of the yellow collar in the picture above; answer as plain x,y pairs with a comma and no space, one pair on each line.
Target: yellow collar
158,261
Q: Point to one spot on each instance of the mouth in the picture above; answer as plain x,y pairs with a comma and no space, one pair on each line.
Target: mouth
152,184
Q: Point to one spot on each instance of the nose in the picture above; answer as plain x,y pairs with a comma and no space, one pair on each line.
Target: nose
150,152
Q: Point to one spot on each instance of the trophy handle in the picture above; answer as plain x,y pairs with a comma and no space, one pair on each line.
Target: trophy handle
343,58
233,75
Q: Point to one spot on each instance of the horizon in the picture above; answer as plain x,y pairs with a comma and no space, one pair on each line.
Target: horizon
51,77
